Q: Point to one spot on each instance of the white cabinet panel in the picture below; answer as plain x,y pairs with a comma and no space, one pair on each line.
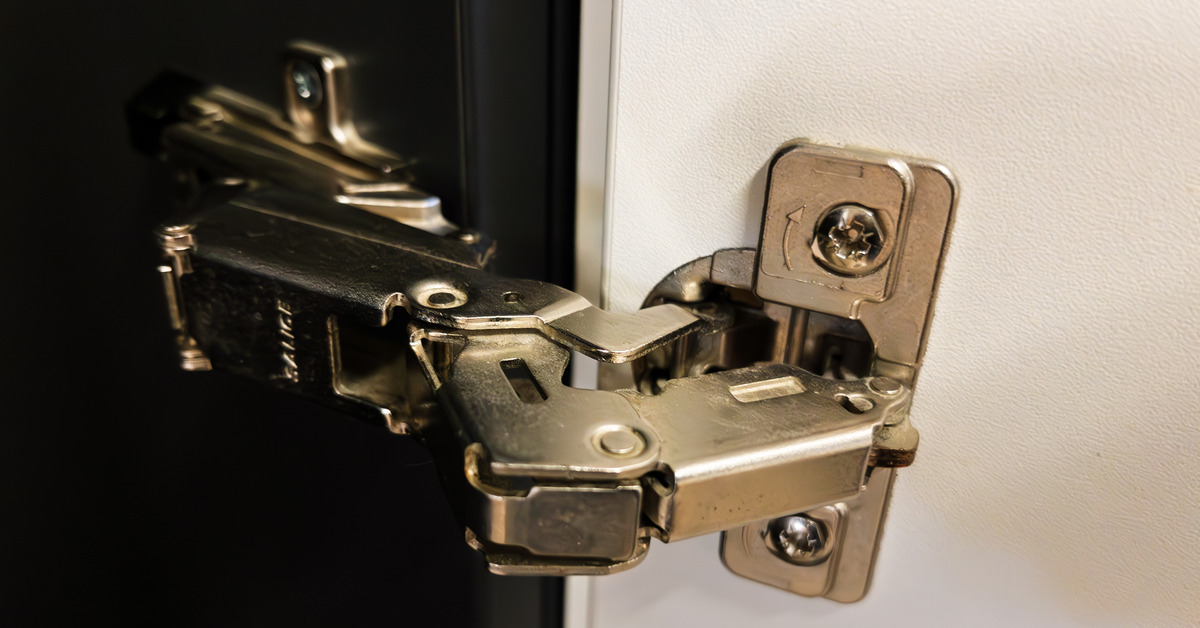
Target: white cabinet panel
1056,480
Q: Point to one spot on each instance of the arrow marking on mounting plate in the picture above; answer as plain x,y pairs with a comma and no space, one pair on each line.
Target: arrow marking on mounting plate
793,218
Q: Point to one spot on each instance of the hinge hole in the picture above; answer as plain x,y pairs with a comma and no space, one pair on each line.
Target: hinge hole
522,381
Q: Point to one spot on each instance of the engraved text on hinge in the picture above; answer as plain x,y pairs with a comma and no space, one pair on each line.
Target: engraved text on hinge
287,341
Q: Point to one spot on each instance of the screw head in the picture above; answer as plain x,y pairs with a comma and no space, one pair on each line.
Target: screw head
798,539
307,83
849,240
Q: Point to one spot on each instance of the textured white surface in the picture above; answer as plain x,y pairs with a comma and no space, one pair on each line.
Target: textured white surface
1057,479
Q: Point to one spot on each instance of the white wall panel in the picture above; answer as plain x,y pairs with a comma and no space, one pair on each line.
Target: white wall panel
1056,483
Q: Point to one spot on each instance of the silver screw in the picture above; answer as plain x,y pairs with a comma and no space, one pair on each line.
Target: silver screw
798,539
849,240
307,83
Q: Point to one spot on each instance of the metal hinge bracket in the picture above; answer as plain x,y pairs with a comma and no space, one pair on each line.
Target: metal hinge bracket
764,392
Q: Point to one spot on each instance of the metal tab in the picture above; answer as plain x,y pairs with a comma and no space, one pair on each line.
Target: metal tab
851,240
914,201
855,530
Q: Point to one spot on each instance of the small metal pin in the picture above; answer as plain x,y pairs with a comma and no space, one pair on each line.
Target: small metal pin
622,442
885,386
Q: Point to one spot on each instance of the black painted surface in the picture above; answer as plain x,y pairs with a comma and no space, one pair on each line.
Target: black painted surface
520,142
132,493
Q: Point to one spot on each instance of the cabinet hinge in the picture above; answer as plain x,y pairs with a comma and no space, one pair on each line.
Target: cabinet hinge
760,392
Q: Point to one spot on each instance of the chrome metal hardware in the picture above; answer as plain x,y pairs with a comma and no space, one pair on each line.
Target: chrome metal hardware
768,390
215,135
842,285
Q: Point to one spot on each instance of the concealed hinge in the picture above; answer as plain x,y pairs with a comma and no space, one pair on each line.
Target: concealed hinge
761,392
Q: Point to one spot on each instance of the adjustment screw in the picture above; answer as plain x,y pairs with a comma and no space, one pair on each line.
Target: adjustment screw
798,539
307,83
849,240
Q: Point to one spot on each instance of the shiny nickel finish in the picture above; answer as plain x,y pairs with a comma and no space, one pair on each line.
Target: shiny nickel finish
853,534
849,240
212,133
798,539
913,202
845,276
770,388
177,242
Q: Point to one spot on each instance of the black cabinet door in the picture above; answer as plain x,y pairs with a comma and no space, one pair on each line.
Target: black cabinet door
132,493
